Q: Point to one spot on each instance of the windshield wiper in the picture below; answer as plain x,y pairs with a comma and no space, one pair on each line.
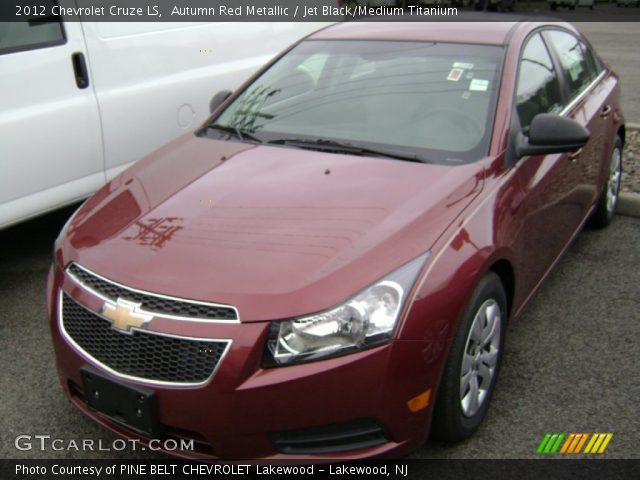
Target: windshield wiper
346,147
234,132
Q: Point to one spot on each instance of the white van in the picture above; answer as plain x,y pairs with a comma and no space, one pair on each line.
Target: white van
79,102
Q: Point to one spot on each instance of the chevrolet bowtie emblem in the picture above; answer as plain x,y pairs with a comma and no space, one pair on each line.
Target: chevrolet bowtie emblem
125,315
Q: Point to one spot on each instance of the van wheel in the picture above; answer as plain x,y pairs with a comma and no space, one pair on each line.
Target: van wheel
473,364
606,207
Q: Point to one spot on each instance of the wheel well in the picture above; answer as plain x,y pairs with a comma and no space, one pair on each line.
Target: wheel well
622,133
504,270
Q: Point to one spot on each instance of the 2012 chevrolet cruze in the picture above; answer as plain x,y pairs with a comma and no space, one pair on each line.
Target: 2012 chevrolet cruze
327,267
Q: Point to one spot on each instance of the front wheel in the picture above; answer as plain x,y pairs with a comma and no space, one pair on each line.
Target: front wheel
473,364
606,208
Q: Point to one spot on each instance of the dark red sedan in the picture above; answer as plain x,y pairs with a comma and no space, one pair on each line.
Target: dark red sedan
326,269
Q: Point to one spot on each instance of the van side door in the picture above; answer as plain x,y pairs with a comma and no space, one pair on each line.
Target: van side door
50,137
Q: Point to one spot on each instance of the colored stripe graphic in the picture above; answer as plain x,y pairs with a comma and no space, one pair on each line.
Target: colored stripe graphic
550,443
583,439
568,442
598,442
543,443
572,443
605,443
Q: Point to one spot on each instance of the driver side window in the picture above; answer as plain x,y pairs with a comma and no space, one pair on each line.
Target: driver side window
538,88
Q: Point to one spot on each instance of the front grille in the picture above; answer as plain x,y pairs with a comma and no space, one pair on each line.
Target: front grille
142,355
338,437
149,301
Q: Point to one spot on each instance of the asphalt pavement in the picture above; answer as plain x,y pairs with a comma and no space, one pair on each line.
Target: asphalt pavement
571,363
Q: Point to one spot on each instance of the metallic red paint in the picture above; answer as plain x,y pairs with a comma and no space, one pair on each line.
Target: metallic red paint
313,240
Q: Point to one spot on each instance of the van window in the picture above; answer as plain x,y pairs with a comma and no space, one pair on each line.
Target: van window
36,32
538,85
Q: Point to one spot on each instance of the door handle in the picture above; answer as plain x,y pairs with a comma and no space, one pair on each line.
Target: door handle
606,110
574,156
80,70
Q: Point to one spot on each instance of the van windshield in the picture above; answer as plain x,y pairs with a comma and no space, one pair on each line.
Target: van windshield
434,100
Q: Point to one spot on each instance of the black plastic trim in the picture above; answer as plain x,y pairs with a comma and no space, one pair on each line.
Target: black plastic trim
339,437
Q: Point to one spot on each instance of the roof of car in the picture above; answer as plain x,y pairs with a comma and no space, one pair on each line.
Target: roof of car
469,30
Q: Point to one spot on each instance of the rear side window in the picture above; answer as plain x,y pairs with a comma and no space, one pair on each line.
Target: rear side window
538,85
592,62
579,69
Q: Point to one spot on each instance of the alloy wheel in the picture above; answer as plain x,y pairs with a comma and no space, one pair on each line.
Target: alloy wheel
613,184
480,357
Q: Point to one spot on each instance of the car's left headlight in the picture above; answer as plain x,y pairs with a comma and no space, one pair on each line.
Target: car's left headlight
366,320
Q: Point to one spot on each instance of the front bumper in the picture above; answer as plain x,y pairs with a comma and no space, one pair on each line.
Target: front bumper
247,412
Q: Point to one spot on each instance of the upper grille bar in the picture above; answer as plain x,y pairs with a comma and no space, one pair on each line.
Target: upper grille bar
152,302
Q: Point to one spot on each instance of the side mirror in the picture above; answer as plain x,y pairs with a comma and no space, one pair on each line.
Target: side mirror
551,134
218,99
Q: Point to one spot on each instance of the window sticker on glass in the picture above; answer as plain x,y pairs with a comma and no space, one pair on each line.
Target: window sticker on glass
478,85
455,74
463,66
575,70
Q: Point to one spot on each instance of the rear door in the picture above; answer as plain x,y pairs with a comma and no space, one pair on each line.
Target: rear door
547,181
589,101
50,139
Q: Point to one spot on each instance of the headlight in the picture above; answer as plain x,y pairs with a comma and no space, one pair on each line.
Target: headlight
364,321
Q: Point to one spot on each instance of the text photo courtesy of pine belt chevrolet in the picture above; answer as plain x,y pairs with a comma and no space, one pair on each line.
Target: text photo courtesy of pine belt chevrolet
327,267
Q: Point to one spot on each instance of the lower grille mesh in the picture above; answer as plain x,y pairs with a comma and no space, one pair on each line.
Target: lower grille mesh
140,354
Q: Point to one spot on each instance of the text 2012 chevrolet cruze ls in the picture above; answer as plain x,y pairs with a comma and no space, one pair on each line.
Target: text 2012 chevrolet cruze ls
327,267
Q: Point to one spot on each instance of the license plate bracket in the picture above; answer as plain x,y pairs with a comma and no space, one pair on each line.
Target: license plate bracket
134,406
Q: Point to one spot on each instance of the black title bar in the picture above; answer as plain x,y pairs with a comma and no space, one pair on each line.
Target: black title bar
583,469
296,11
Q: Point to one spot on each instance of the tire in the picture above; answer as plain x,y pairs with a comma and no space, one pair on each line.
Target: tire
456,416
606,207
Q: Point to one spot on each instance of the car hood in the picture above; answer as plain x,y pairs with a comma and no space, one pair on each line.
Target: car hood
275,231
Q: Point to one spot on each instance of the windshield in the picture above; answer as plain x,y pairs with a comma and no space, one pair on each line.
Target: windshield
429,99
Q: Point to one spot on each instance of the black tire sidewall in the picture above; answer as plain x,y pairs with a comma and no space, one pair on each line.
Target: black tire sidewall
449,423
601,216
